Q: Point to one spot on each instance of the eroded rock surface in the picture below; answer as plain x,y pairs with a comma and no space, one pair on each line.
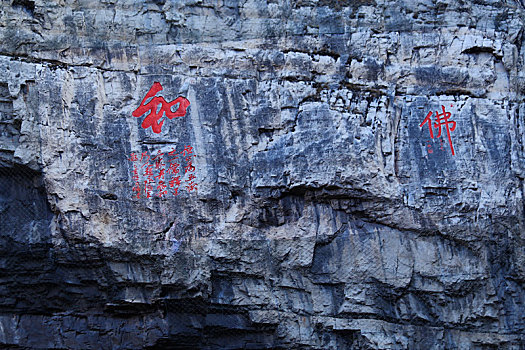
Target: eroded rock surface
321,220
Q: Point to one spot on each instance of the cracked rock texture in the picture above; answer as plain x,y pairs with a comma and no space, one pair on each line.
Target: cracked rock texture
321,220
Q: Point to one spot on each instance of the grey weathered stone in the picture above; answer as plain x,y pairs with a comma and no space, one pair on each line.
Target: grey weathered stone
320,220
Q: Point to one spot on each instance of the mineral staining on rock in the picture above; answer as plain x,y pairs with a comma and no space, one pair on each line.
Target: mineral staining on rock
321,220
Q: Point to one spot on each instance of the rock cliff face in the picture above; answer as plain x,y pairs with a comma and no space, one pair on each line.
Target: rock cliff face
325,216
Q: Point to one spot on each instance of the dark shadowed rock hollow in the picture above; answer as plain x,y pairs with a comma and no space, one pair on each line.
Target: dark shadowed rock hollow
347,174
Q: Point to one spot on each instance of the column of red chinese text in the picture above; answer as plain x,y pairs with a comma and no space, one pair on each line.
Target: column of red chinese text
136,186
160,166
189,168
148,173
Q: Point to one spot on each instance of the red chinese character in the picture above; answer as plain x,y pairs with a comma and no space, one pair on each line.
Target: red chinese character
148,188
152,119
144,155
149,170
133,157
173,153
159,154
191,177
135,173
173,168
187,150
191,186
175,181
161,175
189,167
161,188
441,119
136,189
429,121
159,164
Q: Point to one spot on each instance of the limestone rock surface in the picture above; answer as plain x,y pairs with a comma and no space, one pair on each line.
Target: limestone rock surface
325,215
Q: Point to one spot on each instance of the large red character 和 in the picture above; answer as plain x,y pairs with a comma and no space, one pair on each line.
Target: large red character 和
155,114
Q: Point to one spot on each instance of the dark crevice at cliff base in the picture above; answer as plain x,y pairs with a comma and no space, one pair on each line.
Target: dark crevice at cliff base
26,215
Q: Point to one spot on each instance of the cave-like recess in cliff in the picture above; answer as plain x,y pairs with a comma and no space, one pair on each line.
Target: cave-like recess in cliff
25,239
26,215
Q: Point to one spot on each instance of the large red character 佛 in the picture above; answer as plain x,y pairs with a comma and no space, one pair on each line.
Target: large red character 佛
442,119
